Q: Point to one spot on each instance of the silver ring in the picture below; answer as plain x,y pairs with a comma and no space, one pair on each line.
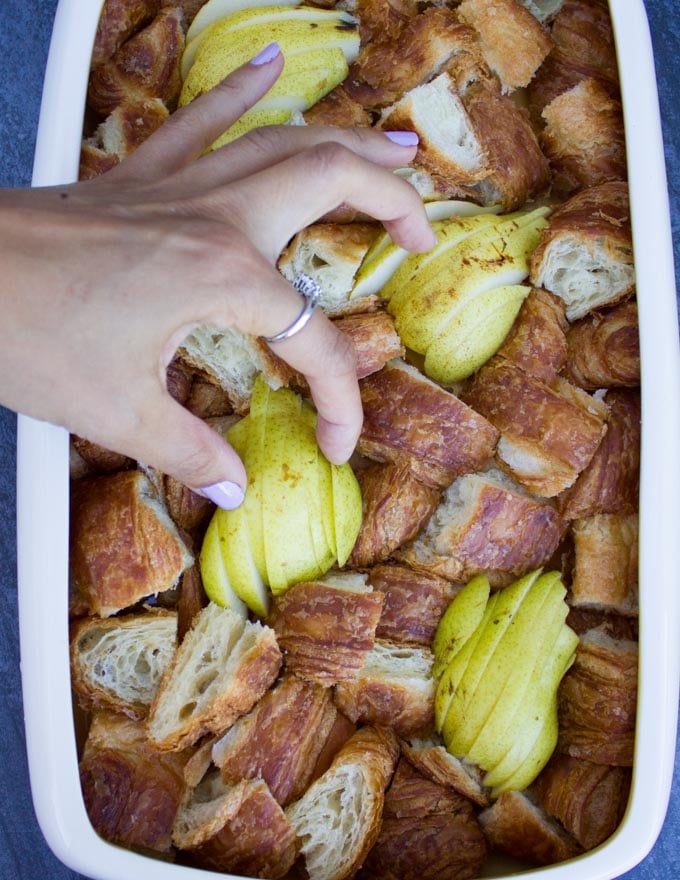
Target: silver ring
310,292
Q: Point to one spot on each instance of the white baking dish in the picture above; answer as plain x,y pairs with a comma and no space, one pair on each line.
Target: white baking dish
43,497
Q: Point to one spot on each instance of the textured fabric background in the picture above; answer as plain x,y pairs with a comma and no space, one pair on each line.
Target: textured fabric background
24,36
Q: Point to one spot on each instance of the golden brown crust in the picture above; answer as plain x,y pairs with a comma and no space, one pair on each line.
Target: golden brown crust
537,342
395,508
131,791
427,831
588,799
393,688
490,528
119,20
386,69
121,548
603,349
100,459
270,742
383,20
434,762
610,483
248,835
94,161
597,700
517,170
374,338
414,603
584,138
408,419
207,399
515,826
546,438
189,510
130,124
146,66
606,563
325,632
339,109
192,599
513,42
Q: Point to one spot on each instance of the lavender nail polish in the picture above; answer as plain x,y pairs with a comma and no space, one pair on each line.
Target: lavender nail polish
403,138
268,54
226,494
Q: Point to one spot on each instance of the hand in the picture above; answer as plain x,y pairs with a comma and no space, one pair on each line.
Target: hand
105,278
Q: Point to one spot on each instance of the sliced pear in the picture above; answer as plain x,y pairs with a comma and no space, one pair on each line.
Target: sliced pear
459,622
451,677
214,10
239,562
228,43
449,234
216,583
536,758
474,334
508,601
500,690
543,705
502,725
384,257
496,256
347,510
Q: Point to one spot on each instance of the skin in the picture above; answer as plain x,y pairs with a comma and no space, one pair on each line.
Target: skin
103,279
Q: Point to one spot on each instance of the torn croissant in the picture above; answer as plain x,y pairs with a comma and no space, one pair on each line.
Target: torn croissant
603,349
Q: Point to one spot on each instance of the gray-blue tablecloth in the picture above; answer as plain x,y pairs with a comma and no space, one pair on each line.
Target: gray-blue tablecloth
25,29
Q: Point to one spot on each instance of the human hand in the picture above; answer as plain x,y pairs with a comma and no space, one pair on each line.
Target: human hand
105,278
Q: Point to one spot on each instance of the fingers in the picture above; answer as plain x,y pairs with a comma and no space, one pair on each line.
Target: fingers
276,203
191,129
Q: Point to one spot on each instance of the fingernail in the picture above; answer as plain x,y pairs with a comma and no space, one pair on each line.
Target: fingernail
226,494
403,138
268,54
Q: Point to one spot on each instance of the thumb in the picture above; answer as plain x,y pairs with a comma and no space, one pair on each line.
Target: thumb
183,446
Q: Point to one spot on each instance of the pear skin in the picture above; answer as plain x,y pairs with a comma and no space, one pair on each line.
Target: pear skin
459,621
239,562
524,649
474,334
216,583
508,601
214,10
347,510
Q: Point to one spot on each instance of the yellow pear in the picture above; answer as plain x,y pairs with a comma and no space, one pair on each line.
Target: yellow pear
246,580
496,256
216,583
347,510
214,10
459,621
474,333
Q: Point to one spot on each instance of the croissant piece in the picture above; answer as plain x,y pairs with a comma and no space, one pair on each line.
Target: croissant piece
374,338
430,757
603,349
119,20
537,340
605,572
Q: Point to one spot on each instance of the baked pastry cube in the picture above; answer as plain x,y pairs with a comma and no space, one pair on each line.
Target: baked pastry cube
517,826
386,69
380,20
338,818
584,138
588,799
123,544
270,743
394,687
610,483
395,507
428,831
145,66
222,668
513,42
331,253
603,349
549,433
585,253
597,701
374,338
118,663
486,524
131,791
605,572
338,108
414,603
236,829
326,629
431,758
129,125
409,419
537,340
119,21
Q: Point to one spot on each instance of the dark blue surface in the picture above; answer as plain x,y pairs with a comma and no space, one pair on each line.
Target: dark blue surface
24,36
